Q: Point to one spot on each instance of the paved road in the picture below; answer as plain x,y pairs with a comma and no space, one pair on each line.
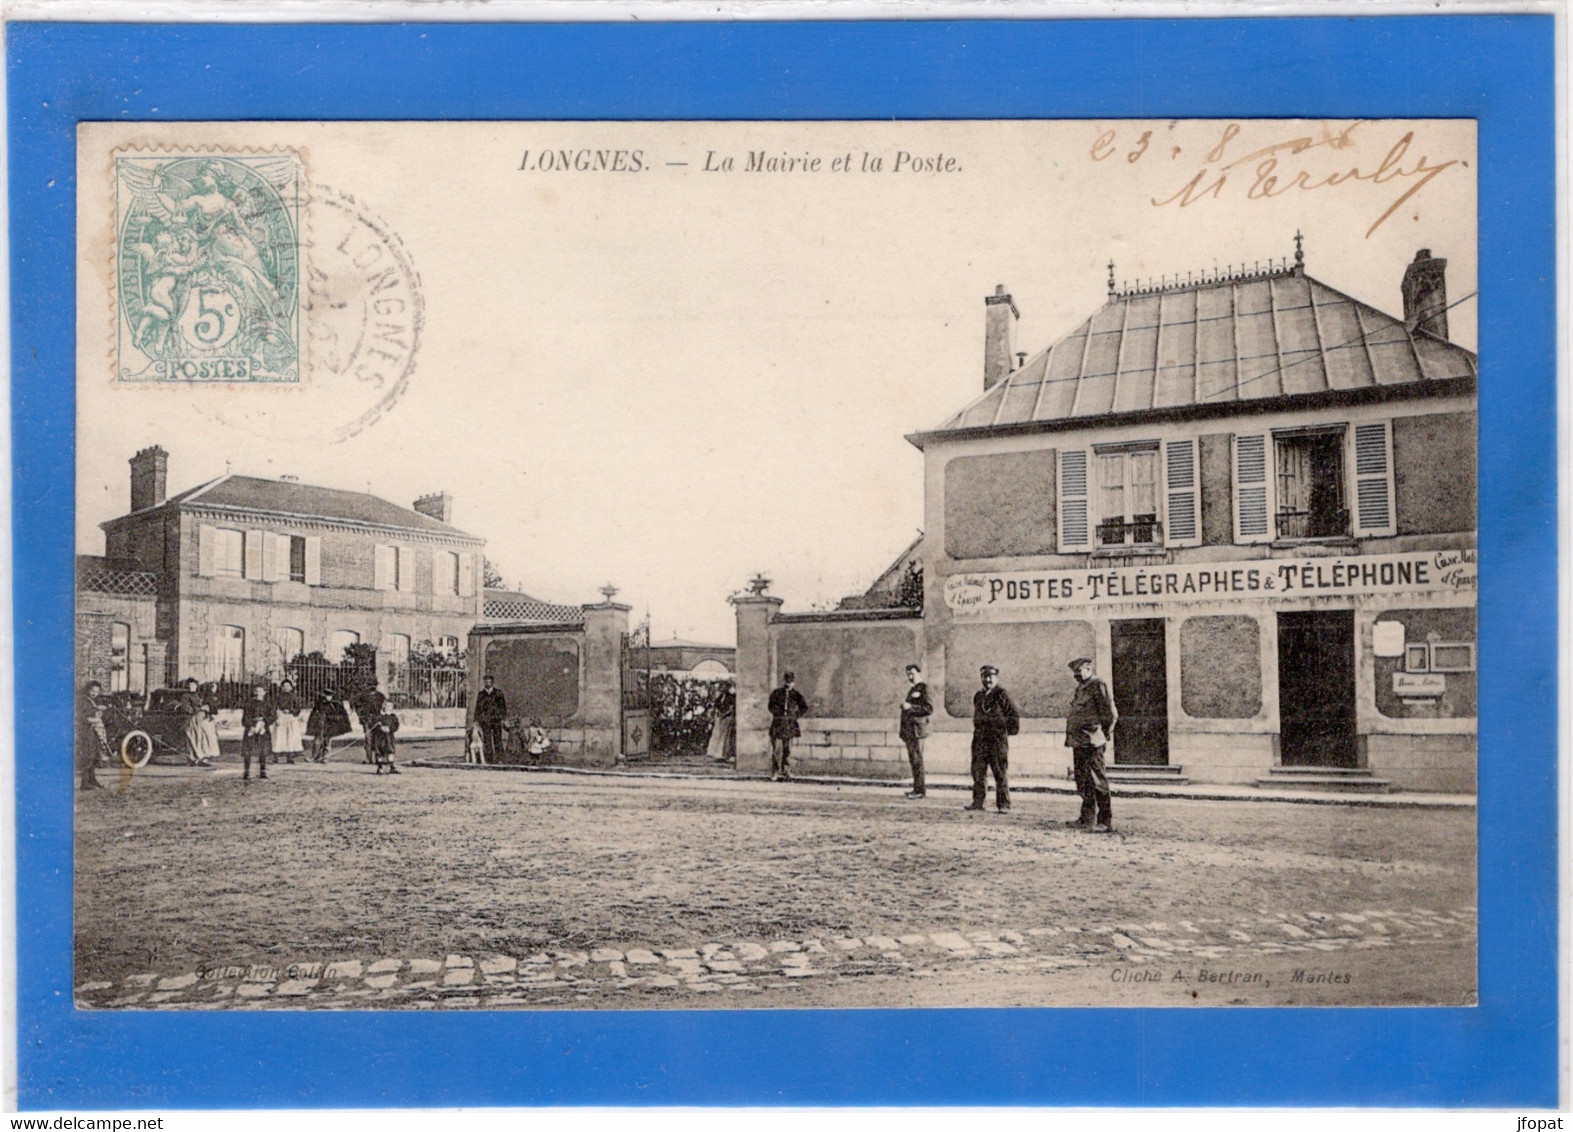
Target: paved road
328,887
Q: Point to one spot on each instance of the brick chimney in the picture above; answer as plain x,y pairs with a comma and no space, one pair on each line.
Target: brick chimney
999,336
438,505
149,478
1425,293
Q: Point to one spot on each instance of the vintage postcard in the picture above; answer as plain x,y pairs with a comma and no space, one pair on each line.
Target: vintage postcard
723,565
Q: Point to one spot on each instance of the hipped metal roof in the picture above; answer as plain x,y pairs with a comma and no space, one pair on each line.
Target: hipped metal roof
1248,338
288,497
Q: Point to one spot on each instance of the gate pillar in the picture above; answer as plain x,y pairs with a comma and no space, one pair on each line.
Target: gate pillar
601,702
755,678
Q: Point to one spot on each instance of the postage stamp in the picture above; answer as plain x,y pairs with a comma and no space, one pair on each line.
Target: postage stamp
208,267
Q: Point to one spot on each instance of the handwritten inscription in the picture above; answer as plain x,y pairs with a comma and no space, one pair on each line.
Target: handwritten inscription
1302,162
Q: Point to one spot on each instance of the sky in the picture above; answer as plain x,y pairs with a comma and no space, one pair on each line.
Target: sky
671,373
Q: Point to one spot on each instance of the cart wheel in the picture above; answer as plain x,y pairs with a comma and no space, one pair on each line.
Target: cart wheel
136,749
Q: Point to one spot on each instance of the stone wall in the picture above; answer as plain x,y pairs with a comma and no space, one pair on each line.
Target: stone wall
1434,472
569,676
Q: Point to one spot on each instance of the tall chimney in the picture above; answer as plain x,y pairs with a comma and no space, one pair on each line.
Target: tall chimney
999,336
1425,294
438,505
149,477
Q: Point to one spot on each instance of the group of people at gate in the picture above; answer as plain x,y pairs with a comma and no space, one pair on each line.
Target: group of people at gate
486,742
1089,728
272,722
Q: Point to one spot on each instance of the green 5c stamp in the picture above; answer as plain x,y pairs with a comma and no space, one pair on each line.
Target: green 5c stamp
207,268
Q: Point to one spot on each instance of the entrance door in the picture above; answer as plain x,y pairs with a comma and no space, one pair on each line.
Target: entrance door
1141,693
1316,688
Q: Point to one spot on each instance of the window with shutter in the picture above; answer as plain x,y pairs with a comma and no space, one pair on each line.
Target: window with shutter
254,554
313,564
1073,500
207,537
1309,483
270,556
1373,479
404,574
383,567
1251,489
228,559
1125,504
1183,524
466,575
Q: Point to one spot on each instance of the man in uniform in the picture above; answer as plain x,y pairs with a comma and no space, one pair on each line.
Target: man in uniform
914,728
491,708
994,721
1088,726
786,705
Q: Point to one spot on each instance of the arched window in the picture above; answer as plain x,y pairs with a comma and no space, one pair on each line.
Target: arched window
342,639
397,648
291,643
229,652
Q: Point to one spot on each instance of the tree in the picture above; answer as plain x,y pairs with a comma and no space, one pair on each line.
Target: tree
909,593
491,577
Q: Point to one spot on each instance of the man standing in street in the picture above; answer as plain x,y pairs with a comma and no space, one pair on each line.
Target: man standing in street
367,705
92,742
256,722
491,708
1089,724
786,705
914,727
994,721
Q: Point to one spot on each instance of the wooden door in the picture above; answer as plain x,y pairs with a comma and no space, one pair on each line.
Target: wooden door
1140,683
1316,688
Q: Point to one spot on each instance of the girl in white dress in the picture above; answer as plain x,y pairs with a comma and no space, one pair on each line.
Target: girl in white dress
288,730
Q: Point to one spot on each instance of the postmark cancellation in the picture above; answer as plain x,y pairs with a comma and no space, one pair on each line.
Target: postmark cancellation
208,267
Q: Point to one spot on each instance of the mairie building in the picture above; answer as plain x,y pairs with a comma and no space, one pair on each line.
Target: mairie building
233,578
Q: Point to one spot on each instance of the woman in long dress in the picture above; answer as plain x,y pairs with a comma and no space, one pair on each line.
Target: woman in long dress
287,728
722,747
201,731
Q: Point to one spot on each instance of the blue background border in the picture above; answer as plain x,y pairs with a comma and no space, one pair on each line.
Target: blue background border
1497,69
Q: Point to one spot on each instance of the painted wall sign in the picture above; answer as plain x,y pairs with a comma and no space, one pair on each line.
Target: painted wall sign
1432,572
1418,685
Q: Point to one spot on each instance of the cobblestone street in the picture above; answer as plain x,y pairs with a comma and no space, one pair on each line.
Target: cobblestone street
328,887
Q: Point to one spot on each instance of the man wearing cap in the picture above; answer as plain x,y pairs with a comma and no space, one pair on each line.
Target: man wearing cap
994,721
786,706
1088,725
914,726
